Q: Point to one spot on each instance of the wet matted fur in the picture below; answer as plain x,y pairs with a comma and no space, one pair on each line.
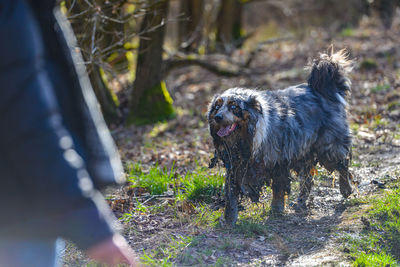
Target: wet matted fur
261,136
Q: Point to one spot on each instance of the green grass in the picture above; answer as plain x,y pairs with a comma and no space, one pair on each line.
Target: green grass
207,217
198,185
156,181
368,64
201,186
354,127
347,32
357,201
374,259
379,241
166,252
251,222
355,164
380,88
251,228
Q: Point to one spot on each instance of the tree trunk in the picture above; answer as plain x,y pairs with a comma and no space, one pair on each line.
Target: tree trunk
81,25
150,100
386,10
190,26
103,94
229,24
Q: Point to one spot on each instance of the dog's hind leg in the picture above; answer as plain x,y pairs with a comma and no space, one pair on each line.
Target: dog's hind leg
278,203
280,191
345,177
306,183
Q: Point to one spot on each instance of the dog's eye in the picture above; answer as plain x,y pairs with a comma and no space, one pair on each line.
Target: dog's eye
233,107
217,107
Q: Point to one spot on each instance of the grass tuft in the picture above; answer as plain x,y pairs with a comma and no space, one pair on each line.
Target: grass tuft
347,32
201,186
156,181
374,259
198,185
206,216
380,88
166,253
379,242
251,228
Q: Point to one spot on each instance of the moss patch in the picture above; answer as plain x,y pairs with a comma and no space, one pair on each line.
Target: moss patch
114,97
154,105
368,64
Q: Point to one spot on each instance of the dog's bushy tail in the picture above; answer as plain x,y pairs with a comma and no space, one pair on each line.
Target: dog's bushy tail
329,77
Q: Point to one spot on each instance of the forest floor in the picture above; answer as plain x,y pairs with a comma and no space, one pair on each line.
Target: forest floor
165,230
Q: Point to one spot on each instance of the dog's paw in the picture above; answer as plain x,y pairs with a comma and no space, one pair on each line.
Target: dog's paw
345,186
346,191
213,163
278,204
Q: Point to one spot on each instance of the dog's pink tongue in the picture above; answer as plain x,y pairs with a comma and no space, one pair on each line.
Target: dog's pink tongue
227,130
224,131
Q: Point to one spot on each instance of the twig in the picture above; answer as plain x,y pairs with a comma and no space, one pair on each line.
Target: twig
147,200
150,197
93,47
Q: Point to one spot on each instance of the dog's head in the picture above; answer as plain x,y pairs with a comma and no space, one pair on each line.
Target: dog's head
233,115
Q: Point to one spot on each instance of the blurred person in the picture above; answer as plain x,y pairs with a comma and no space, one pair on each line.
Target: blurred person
55,149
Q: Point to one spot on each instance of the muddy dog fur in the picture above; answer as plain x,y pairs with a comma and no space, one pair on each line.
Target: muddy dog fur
261,136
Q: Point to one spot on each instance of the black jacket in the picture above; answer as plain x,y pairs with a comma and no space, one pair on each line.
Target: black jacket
54,145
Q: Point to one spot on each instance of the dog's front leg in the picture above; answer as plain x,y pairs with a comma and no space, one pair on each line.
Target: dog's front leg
231,201
306,183
345,178
278,203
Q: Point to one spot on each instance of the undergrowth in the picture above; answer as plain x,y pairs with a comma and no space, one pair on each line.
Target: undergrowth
201,186
156,181
166,253
379,241
251,222
198,185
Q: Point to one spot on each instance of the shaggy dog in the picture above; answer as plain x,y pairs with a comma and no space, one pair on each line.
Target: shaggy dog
261,136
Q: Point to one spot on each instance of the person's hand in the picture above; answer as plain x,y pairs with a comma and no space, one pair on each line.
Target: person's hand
112,252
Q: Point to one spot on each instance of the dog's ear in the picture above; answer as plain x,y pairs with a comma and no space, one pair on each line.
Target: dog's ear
211,104
253,103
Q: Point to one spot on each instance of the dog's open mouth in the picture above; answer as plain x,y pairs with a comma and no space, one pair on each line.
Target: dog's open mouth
226,130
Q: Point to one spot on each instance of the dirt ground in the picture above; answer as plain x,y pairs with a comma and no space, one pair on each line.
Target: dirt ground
310,239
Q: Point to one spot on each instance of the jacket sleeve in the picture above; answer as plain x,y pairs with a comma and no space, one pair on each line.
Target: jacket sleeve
54,188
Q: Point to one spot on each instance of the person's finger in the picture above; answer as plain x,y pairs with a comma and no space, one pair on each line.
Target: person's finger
113,251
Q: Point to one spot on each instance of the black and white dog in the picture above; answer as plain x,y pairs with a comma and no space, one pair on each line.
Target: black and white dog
263,135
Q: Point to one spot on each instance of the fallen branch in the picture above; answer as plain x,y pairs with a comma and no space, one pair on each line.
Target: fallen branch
174,63
181,60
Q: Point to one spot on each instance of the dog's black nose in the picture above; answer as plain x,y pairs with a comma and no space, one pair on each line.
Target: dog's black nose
218,118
